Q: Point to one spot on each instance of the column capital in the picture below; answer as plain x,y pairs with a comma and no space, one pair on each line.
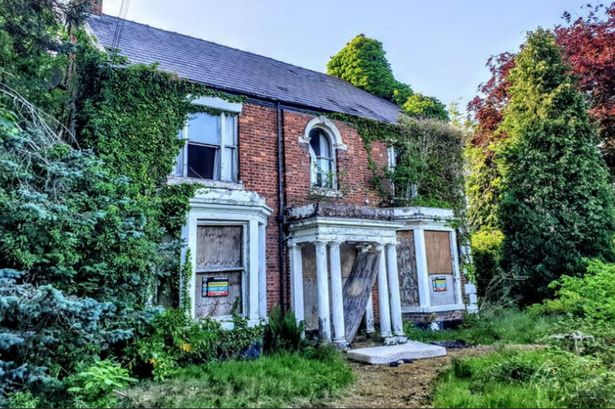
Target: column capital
335,243
390,244
379,246
320,242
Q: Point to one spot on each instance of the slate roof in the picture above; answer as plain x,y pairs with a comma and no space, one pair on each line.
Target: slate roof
242,72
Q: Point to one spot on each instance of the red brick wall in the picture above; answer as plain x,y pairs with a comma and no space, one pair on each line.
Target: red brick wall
258,172
352,165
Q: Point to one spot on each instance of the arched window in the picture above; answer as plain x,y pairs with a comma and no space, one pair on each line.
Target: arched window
322,159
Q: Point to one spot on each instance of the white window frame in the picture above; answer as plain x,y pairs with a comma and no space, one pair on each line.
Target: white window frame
244,263
315,162
221,168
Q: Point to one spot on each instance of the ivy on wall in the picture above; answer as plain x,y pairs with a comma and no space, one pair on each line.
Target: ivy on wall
429,164
130,116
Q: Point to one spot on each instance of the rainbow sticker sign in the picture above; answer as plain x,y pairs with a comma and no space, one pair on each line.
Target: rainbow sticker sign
439,284
215,287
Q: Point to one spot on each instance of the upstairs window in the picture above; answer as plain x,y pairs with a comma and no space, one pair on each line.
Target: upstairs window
210,151
322,160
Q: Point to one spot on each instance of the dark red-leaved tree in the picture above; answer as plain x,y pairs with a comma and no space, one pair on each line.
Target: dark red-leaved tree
588,44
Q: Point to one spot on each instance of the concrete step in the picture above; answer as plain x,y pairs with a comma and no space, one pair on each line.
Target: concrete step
392,353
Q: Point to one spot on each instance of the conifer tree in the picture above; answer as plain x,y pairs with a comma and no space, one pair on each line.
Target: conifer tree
556,197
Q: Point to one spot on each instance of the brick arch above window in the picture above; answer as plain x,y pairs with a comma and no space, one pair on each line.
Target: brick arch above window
330,128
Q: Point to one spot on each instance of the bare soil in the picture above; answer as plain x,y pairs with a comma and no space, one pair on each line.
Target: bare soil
406,386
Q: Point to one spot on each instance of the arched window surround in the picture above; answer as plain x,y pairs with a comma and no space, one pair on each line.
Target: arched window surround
332,133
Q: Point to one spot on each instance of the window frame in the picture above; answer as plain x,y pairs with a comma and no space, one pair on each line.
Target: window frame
222,166
244,264
315,168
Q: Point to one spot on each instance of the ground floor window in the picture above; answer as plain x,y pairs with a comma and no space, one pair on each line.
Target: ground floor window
220,270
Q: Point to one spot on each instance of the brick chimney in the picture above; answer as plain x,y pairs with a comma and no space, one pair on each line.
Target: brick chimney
96,7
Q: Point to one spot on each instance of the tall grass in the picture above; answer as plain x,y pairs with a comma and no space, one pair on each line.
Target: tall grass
280,380
508,326
517,378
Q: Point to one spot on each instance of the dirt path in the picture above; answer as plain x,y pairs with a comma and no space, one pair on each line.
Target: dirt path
407,386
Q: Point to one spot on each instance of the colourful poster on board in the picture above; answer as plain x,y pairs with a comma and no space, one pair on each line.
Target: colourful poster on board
215,286
439,284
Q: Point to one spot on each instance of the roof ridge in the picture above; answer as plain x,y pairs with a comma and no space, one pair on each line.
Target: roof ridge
244,51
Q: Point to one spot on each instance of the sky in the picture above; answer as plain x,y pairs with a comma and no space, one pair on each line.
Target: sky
439,47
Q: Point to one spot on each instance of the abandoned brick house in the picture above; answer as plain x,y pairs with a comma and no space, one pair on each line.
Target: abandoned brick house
288,207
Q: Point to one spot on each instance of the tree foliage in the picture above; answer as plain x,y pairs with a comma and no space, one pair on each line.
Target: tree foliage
421,106
557,202
363,63
65,219
45,333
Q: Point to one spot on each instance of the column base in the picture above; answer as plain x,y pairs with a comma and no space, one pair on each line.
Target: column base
389,340
394,340
341,344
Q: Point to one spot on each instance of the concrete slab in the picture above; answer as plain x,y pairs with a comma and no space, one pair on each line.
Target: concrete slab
393,353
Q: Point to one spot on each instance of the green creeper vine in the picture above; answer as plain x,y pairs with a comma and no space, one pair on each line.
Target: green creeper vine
429,158
186,276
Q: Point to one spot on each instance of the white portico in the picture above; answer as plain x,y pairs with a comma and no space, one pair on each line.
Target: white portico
225,232
333,231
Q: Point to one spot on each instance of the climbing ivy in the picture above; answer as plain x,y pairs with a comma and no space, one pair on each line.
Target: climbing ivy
130,116
429,161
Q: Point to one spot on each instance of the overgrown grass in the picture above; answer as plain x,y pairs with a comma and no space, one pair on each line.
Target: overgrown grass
521,378
281,380
490,327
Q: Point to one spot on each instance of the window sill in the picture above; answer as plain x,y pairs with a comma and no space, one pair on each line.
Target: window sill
176,180
324,192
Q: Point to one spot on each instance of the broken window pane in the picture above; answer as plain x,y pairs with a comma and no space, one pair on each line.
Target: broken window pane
202,161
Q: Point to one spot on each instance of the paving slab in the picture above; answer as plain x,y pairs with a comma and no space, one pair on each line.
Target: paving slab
394,353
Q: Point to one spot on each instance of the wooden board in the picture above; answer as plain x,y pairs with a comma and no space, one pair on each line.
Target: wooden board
219,248
356,292
438,248
406,265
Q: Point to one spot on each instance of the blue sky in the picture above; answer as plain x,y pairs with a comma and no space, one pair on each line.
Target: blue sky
438,47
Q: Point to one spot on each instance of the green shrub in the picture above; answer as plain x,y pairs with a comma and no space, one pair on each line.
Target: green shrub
486,248
22,399
93,387
44,333
283,333
590,297
172,340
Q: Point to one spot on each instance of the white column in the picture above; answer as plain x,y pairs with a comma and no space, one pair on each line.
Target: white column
422,274
189,232
253,273
383,294
396,319
322,288
262,271
337,301
296,273
456,273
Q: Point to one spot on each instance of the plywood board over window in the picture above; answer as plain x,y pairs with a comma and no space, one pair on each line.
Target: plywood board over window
219,262
406,266
438,248
440,267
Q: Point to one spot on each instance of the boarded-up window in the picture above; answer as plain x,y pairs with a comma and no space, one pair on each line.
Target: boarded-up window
219,270
440,267
438,247
406,266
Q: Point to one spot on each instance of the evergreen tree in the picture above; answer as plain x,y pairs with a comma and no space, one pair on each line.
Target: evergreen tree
362,62
556,199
